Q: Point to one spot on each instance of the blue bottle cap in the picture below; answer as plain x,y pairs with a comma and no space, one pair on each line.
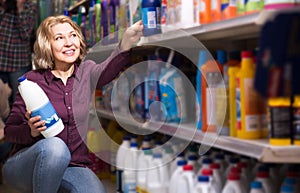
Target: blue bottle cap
22,78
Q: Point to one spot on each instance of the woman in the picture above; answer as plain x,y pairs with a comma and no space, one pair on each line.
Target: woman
59,164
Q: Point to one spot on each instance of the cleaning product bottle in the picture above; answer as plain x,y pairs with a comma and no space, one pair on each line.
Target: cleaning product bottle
135,12
157,175
233,103
248,112
143,165
151,16
120,163
39,104
130,169
233,184
212,87
264,178
186,181
98,19
185,20
215,10
279,112
223,118
218,177
202,59
256,187
175,175
228,9
205,12
202,185
296,120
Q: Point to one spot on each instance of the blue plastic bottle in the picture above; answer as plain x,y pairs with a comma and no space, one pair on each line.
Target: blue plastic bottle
151,16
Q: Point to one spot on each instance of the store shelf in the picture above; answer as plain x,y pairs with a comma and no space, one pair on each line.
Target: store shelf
258,149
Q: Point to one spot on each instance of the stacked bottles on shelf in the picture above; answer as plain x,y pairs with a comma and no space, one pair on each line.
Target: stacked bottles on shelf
152,169
152,90
107,19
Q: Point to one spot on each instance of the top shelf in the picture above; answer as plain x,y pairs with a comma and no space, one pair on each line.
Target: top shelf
239,28
258,149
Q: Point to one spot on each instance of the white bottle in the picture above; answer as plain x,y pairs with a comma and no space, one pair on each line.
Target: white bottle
174,163
143,165
204,165
38,103
186,181
202,185
233,184
120,162
157,176
218,177
212,181
192,160
130,168
265,179
174,178
256,187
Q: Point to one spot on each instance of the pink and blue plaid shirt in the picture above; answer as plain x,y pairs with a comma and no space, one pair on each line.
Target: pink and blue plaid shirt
15,33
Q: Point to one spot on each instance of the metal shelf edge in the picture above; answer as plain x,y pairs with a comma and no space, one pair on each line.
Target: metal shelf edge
258,149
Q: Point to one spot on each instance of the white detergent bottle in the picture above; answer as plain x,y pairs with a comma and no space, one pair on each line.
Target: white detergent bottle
120,162
192,160
218,177
168,157
38,103
174,163
157,176
256,187
265,179
174,178
233,184
130,170
202,185
204,165
212,181
143,166
186,181
232,163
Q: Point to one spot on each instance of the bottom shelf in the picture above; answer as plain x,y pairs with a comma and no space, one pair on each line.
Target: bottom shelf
259,149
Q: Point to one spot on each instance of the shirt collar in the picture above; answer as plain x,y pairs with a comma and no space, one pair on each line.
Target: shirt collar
50,77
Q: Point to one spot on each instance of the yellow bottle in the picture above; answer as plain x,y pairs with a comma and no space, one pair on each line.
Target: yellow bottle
247,106
232,71
296,120
279,113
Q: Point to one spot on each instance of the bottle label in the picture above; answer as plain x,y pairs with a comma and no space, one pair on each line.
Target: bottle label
130,187
47,113
280,122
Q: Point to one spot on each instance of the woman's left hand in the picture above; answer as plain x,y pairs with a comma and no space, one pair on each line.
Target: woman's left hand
132,35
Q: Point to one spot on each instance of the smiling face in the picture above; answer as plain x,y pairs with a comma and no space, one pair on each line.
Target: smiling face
65,45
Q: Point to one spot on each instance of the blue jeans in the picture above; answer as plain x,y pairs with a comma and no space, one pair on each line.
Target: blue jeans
43,168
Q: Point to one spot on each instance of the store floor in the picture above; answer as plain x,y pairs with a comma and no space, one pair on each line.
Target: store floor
110,187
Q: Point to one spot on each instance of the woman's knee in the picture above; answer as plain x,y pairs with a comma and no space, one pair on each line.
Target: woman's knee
55,148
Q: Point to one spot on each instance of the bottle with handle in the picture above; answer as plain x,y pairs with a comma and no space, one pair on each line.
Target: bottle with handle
38,103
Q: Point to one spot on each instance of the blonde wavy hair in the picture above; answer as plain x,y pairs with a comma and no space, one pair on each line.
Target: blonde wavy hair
43,57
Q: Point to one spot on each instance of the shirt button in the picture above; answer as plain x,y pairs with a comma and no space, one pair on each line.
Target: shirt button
67,93
69,108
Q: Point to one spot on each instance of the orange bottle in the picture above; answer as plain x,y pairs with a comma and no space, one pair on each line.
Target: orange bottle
205,11
228,9
215,10
212,87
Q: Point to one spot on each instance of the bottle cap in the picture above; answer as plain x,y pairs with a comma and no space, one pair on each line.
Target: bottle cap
188,168
22,78
256,185
202,178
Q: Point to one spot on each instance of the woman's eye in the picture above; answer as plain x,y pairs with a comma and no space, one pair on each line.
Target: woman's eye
58,38
74,35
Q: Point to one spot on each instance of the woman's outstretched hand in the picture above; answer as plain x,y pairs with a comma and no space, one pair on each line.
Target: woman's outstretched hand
132,35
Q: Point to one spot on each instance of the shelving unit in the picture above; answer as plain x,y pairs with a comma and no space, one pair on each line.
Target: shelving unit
258,149
240,28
